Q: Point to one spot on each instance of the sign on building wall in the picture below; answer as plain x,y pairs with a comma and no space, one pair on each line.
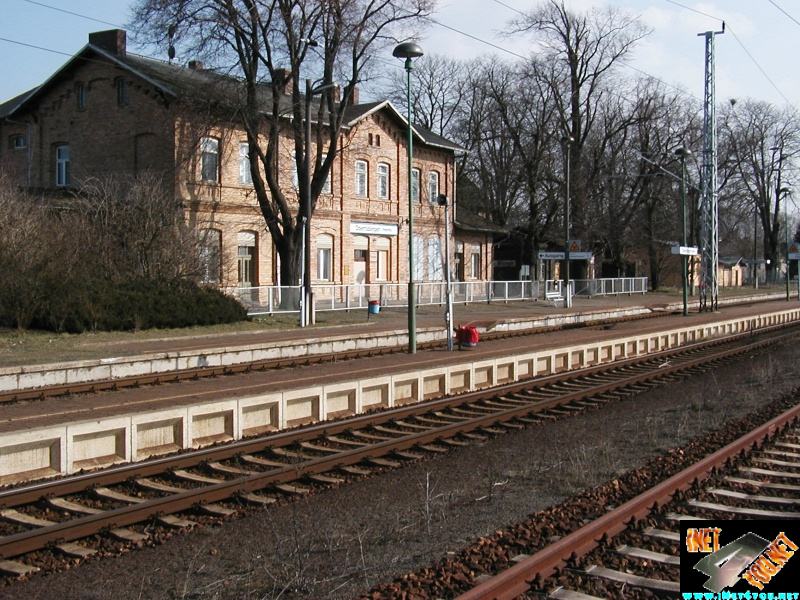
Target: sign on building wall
373,229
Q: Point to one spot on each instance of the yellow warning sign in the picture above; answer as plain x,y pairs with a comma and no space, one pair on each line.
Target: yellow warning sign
574,247
793,248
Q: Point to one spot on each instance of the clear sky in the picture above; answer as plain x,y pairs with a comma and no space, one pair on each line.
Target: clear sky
756,57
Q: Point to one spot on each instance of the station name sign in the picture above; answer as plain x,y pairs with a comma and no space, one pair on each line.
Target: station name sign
685,250
373,229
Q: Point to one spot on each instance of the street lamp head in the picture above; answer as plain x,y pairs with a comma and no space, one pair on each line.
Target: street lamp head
441,200
407,50
784,190
322,87
683,152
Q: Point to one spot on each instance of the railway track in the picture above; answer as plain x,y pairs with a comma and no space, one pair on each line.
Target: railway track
629,543
80,515
41,393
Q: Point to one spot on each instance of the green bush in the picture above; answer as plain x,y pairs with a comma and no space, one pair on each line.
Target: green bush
138,304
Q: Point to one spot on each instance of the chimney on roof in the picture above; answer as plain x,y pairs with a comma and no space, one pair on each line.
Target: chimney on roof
355,95
197,65
112,40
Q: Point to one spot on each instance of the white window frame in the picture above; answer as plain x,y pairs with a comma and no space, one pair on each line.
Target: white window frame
62,165
361,178
383,180
419,258
209,151
210,256
324,257
415,175
433,186
245,176
327,188
475,261
435,262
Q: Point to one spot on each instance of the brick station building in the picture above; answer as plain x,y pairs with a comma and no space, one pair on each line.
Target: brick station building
109,112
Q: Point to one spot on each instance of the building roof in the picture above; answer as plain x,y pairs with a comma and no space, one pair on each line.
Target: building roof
194,82
358,112
732,261
466,220
9,106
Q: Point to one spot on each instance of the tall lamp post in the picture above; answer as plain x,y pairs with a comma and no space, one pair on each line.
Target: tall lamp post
307,310
682,153
785,192
410,51
567,141
443,200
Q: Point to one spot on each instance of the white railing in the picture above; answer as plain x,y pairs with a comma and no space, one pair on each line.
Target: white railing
609,287
277,299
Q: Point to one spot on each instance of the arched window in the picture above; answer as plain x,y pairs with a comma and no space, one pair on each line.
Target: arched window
383,181
210,252
433,186
325,257
246,257
209,159
361,178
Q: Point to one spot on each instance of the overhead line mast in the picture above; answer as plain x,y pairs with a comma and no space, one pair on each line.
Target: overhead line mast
709,205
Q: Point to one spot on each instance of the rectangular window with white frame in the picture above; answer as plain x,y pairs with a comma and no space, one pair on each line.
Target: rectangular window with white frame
62,165
415,185
383,181
245,176
326,187
209,159
361,178
419,258
475,261
435,271
324,264
433,187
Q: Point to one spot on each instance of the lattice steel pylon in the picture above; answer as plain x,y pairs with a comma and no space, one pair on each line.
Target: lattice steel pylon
709,206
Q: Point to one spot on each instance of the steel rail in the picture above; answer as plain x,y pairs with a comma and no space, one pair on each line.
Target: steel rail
83,526
30,493
515,581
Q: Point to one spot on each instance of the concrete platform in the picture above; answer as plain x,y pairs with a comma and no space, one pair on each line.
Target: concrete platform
65,435
169,355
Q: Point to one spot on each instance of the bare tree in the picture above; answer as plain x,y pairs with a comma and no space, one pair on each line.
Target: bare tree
136,228
635,190
576,57
759,151
268,45
441,85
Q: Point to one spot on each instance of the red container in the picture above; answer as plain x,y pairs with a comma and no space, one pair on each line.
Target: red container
467,336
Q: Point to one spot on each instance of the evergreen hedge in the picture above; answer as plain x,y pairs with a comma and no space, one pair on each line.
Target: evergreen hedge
133,305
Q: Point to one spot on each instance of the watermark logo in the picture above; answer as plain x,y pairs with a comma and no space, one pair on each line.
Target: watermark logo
738,559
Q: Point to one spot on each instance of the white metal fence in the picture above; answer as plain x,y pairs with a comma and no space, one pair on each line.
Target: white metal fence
277,299
610,287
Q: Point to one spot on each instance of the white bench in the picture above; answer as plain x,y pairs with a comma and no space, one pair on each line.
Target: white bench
554,296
